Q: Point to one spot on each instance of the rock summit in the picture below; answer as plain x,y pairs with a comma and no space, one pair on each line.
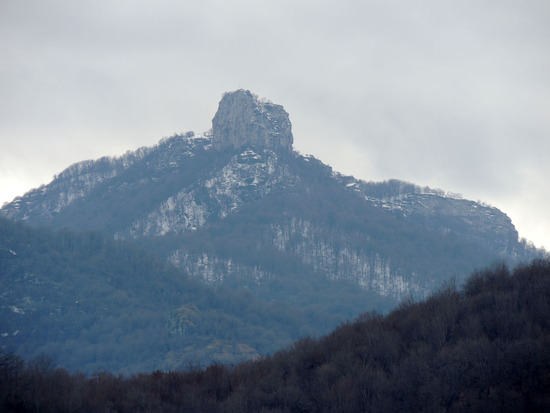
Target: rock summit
243,120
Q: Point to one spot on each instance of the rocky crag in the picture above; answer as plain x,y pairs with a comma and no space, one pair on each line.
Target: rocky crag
243,120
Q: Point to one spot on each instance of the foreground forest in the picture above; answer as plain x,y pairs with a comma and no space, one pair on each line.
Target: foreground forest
482,347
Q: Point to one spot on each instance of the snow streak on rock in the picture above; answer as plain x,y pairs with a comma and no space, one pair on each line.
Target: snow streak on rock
327,251
248,176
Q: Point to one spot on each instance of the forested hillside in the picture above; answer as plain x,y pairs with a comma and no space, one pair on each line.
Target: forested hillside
484,347
92,303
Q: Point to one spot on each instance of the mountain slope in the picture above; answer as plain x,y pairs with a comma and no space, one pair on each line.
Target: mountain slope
91,303
238,207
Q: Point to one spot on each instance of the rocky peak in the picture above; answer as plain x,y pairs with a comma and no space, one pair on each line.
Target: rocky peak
243,119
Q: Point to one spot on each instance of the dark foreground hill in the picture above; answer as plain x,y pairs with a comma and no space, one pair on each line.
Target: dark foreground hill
484,347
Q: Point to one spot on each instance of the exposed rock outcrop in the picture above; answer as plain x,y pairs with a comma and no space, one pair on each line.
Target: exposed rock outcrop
243,119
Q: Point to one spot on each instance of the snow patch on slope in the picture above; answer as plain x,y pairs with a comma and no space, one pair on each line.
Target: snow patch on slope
330,255
248,176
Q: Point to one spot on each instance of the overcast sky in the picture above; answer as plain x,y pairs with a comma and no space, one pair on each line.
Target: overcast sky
449,94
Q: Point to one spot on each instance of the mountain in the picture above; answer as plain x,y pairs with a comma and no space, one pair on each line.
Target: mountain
238,207
484,347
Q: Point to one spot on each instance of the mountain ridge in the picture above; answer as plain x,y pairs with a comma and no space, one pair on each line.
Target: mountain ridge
244,176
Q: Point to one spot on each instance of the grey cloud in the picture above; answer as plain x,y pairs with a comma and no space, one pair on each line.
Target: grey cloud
449,95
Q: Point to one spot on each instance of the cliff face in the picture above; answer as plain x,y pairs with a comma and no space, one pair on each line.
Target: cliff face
239,207
247,176
244,120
